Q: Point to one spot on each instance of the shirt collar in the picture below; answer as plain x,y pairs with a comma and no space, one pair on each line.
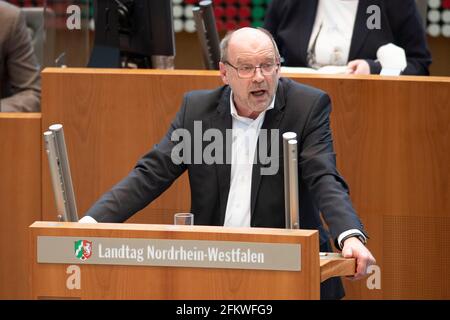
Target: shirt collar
235,114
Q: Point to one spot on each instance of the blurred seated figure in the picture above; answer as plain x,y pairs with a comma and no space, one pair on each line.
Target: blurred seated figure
34,18
320,33
19,70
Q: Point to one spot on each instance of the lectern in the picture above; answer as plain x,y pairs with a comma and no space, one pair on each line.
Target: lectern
137,261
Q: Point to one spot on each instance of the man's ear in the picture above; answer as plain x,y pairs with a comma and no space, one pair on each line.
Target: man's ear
223,72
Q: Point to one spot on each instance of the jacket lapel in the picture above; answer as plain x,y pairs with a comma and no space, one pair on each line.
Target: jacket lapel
271,121
222,122
360,30
306,17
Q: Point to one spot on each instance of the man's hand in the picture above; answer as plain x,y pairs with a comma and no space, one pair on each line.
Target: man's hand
358,67
354,248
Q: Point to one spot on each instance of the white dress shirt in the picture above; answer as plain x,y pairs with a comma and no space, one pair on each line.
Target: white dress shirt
332,33
243,147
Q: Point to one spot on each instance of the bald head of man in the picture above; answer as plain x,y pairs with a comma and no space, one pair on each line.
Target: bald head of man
250,65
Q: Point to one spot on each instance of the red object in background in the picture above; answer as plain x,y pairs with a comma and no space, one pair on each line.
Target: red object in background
219,11
244,2
244,12
220,25
217,2
60,8
230,2
190,1
446,4
27,3
231,25
231,11
244,23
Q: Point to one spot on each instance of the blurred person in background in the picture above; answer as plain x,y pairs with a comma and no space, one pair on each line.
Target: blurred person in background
317,33
20,88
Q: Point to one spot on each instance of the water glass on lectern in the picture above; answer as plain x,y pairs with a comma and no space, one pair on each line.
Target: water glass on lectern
186,219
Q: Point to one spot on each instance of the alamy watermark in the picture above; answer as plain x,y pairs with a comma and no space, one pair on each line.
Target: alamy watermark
73,282
74,279
212,147
73,21
374,21
373,282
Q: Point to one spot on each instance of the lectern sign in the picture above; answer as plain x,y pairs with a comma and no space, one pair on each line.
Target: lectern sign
169,252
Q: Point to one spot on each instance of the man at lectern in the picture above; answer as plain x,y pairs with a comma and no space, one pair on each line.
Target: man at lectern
229,141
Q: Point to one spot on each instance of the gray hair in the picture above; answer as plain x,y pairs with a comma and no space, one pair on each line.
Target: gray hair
226,40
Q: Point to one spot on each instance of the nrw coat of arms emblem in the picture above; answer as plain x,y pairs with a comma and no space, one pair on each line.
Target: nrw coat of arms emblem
83,249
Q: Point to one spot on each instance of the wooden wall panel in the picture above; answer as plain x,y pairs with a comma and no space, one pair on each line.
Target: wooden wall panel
391,137
392,142
20,198
111,119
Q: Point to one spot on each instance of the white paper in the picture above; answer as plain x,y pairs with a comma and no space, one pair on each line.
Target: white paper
392,59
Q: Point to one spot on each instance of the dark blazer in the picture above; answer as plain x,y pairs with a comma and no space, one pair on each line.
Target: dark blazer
291,23
298,108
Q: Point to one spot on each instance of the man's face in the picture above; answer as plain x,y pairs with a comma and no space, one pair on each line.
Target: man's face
250,48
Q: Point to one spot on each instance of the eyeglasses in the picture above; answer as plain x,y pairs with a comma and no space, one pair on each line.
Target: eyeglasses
248,71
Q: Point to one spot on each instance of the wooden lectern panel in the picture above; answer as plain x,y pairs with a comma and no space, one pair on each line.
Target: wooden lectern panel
334,264
150,282
20,197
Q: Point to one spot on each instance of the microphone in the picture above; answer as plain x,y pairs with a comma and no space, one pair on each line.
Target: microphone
291,200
